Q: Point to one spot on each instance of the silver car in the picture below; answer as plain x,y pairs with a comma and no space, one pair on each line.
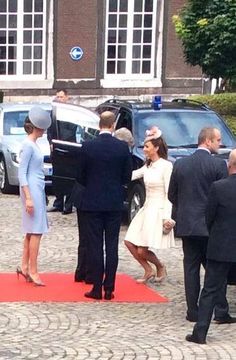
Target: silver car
12,134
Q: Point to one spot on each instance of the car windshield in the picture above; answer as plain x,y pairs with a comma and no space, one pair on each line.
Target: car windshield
181,128
13,123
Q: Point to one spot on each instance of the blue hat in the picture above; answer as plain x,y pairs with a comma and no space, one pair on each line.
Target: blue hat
39,117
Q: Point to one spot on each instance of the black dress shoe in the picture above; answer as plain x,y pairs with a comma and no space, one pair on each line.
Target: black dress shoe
226,320
108,295
93,295
191,319
66,212
88,281
77,279
195,339
53,209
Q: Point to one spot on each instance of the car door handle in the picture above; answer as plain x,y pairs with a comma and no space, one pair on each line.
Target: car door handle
61,151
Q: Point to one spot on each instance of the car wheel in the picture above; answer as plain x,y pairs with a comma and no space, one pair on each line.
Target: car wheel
5,187
136,200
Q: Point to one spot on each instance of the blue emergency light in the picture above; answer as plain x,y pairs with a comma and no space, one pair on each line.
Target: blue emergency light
156,102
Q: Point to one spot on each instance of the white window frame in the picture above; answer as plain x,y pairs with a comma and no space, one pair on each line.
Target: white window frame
153,79
44,80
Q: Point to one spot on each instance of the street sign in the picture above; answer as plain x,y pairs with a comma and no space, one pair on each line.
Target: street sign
76,53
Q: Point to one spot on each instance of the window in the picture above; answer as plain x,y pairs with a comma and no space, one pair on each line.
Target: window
22,38
130,38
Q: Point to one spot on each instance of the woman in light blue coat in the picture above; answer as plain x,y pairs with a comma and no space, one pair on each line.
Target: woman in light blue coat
31,180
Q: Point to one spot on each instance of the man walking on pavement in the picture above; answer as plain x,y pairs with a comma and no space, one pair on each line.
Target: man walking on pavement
221,251
189,186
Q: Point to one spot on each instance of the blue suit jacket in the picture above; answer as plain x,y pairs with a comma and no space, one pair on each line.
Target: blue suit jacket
106,166
188,190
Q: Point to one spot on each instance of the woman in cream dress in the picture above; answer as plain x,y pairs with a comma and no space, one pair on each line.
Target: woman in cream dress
154,218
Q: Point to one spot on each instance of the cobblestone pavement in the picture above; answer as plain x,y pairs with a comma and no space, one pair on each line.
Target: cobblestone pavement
98,330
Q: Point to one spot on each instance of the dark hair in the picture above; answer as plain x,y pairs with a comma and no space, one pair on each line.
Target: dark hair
28,126
162,150
63,90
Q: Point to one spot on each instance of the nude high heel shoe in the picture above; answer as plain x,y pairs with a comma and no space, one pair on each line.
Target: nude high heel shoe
163,275
24,275
146,278
37,282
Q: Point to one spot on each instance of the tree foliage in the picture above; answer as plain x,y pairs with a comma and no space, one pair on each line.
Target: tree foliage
207,30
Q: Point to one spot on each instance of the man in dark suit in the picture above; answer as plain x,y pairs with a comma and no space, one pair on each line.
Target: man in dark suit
221,250
105,167
189,186
64,131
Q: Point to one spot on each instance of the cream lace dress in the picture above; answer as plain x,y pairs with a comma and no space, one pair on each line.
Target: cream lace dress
146,229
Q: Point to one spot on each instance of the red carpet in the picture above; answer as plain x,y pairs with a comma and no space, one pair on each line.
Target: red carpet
62,288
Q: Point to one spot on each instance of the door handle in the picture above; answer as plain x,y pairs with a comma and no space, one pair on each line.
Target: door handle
61,151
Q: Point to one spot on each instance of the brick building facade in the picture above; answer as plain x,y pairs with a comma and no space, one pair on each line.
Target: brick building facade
129,48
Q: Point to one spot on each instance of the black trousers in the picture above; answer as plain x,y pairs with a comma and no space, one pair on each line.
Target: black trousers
62,202
102,229
215,279
194,249
82,271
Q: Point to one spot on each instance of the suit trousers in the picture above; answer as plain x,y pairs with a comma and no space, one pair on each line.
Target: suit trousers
102,228
194,249
215,279
82,271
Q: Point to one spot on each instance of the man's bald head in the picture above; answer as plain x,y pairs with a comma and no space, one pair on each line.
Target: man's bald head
107,120
232,162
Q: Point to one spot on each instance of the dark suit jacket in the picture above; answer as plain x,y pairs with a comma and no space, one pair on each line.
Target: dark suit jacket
221,220
105,167
188,190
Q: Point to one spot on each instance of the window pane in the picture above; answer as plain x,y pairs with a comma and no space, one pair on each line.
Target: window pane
113,5
3,6
12,37
38,52
3,21
111,65
135,67
138,21
38,21
138,5
38,5
112,36
26,67
37,67
3,52
121,52
28,37
12,52
147,20
111,52
123,5
12,21
137,36
146,67
148,5
3,38
122,36
38,36
2,67
12,5
121,67
26,52
27,21
28,6
11,68
147,51
136,52
123,21
147,36
112,21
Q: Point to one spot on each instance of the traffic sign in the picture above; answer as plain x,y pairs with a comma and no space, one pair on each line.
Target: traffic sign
76,53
